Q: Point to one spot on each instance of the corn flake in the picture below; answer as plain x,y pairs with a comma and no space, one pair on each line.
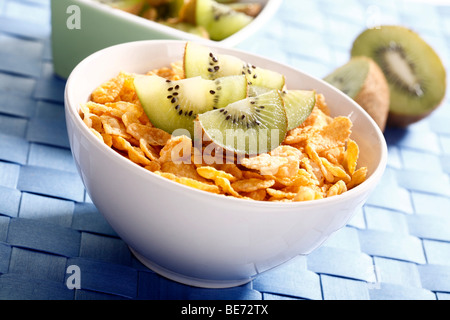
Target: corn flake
307,194
252,184
226,186
190,182
351,156
257,195
187,170
337,188
109,91
177,149
212,174
153,136
358,177
280,194
335,134
265,163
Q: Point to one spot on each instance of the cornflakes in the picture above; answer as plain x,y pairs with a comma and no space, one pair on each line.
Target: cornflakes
252,184
212,173
258,195
190,182
226,186
337,188
186,170
318,159
351,156
177,149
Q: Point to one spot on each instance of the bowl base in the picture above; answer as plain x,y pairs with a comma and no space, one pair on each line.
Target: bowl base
195,282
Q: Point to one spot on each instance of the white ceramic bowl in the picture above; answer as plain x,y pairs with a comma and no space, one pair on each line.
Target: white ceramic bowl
195,237
82,27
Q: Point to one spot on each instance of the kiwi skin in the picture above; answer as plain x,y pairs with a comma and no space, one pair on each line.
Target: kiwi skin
403,121
374,96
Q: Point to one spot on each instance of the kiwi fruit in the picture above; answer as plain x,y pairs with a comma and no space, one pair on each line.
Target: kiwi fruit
201,61
363,81
220,20
250,126
172,105
413,70
254,90
299,105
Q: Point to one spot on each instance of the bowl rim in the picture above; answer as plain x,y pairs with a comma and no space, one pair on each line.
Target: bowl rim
362,188
269,9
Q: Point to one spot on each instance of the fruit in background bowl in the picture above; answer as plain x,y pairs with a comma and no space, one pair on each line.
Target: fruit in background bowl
211,19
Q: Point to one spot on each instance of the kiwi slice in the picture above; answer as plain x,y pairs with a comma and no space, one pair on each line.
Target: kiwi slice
172,105
250,126
201,61
220,20
299,105
254,91
363,81
414,72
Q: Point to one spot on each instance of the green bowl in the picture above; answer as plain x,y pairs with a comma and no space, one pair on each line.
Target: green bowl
82,27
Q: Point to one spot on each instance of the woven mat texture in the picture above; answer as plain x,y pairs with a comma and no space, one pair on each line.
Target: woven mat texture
396,247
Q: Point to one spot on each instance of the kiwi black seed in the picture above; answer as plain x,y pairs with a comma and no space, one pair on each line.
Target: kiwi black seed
413,70
175,105
250,126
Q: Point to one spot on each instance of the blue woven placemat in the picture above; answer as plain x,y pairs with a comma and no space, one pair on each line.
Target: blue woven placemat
396,247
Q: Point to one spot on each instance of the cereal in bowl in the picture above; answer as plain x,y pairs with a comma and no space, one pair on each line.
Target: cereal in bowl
284,147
